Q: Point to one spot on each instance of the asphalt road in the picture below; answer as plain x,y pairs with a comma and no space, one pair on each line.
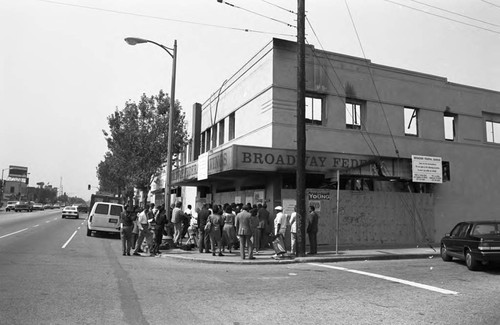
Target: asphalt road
52,273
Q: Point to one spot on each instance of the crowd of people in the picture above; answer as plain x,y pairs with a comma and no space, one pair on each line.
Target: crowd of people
212,229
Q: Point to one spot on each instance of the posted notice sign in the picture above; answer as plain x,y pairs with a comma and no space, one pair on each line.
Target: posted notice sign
426,169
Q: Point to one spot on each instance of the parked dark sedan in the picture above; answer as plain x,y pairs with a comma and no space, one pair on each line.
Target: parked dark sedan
475,242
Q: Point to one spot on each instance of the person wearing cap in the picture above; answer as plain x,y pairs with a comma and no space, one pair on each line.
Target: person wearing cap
280,227
280,222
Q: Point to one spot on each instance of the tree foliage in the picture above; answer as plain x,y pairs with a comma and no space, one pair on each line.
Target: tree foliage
137,143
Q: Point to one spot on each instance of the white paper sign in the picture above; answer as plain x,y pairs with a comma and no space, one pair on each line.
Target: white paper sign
426,169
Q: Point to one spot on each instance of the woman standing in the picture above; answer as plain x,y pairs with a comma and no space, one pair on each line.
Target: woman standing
215,232
229,231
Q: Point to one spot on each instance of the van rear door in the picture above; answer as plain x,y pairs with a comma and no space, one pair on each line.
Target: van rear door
102,217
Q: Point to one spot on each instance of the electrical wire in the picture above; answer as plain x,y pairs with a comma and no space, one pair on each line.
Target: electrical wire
372,79
490,3
166,19
455,13
258,14
275,5
443,17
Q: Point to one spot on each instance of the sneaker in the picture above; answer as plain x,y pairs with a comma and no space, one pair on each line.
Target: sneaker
251,258
220,254
128,254
124,254
136,254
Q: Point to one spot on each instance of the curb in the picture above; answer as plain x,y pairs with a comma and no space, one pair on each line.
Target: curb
303,259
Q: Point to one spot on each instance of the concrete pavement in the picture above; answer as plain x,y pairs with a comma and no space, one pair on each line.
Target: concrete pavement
325,254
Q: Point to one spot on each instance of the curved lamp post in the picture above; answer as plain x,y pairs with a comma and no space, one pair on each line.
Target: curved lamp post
173,53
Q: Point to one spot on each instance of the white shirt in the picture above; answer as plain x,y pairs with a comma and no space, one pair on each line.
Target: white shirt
142,218
293,222
281,220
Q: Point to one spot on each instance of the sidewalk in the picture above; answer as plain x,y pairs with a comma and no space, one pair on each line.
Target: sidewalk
325,254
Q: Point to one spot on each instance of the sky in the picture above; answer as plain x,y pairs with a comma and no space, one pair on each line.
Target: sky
64,65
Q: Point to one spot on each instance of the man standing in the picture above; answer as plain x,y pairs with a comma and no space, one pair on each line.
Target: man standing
244,232
293,231
280,229
127,219
177,222
263,215
142,223
203,238
312,231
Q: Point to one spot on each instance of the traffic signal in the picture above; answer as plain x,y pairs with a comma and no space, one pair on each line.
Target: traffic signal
89,187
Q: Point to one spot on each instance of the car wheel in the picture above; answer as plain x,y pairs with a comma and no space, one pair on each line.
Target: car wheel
89,232
444,254
62,217
470,261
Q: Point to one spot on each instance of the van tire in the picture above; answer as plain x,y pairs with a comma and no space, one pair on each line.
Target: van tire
89,232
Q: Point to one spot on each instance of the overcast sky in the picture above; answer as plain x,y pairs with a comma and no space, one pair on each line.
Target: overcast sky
64,66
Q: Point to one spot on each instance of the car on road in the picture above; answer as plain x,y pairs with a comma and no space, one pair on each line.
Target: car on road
475,242
83,208
56,206
71,212
10,205
23,206
47,206
38,206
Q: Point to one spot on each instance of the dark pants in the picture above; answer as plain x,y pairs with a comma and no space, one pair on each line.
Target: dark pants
158,238
313,243
258,239
245,242
126,236
203,240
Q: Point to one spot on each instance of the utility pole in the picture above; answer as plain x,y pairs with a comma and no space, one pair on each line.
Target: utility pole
301,129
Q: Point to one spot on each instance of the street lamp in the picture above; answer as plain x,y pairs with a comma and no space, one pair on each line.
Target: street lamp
173,53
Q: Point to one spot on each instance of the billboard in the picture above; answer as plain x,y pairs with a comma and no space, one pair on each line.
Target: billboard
18,172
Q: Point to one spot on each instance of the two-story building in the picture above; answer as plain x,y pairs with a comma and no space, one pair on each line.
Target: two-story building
410,153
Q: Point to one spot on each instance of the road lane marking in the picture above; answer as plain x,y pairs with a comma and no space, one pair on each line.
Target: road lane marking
66,243
388,278
47,221
13,233
35,226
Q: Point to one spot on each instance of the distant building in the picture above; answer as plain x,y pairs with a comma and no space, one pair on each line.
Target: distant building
366,121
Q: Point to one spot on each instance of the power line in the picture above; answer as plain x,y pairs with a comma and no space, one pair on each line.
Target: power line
455,13
373,79
275,5
490,3
443,17
165,19
256,13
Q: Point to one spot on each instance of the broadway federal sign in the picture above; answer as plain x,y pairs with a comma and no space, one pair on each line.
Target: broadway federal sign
246,158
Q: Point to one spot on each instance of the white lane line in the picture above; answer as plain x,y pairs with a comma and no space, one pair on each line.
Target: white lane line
47,221
388,278
35,226
66,243
13,233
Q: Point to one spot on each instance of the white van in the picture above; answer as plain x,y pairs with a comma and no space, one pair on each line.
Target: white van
104,217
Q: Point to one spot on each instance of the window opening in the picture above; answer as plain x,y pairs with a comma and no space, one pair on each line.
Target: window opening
411,121
314,110
449,127
353,115
492,132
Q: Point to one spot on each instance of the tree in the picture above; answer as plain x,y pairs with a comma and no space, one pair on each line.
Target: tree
137,143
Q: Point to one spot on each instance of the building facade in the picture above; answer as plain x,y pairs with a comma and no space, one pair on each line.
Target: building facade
367,127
